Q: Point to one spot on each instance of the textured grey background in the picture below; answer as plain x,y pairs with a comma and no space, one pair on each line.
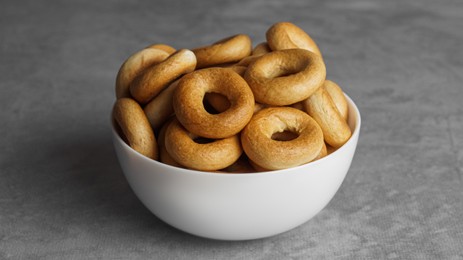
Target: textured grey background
62,192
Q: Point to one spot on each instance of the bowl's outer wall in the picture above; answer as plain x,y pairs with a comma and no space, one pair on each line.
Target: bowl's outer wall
237,206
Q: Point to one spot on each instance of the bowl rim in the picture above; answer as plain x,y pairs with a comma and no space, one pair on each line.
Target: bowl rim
355,132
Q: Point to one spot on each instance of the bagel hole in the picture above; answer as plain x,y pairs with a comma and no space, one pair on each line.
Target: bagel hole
203,140
208,107
215,103
284,136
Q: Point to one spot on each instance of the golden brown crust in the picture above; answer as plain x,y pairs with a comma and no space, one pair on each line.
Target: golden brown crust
335,129
231,49
153,80
239,69
323,153
164,156
160,108
131,119
268,153
212,156
337,95
257,167
164,47
133,66
261,49
285,35
190,111
248,60
285,77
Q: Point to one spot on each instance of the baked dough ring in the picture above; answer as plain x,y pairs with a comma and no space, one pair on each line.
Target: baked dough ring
271,154
133,66
335,129
259,168
285,35
231,49
285,77
159,109
153,80
190,111
212,156
131,119
337,95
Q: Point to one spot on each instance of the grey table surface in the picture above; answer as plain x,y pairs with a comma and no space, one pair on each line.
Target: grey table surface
63,194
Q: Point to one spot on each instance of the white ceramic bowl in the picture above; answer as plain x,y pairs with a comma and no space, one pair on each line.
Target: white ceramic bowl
237,206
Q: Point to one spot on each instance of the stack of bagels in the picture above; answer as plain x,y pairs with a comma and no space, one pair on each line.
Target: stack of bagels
231,108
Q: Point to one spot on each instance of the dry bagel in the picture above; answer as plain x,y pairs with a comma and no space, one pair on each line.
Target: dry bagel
285,77
133,66
190,111
154,79
231,49
133,123
320,106
216,155
271,154
285,35
337,95
159,109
